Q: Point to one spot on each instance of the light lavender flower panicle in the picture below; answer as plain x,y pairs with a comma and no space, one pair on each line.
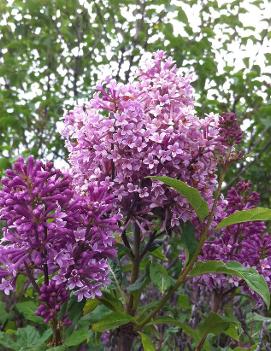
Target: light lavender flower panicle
129,132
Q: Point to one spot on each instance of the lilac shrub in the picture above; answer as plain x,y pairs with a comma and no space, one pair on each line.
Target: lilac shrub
59,228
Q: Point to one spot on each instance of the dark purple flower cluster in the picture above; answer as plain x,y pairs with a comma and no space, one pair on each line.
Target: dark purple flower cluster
247,243
230,132
52,230
51,298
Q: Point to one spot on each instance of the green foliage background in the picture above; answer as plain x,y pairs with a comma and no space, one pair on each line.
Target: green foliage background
53,52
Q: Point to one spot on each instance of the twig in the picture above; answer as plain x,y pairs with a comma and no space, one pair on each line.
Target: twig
122,294
261,336
31,278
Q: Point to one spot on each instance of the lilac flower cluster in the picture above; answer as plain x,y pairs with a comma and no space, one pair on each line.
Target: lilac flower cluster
128,132
50,229
247,243
230,132
52,297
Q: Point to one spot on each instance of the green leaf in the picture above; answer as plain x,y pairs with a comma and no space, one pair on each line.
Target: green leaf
3,313
188,240
111,301
184,302
28,310
158,253
7,342
112,321
182,16
160,277
4,163
45,336
138,284
192,195
28,337
77,337
253,279
215,324
20,282
90,305
167,320
232,331
99,313
255,317
251,215
8,121
146,342
57,348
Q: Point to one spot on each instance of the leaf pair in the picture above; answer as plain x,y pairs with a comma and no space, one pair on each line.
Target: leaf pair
253,279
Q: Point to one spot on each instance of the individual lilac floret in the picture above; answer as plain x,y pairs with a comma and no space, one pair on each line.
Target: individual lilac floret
230,132
51,298
105,339
51,230
129,132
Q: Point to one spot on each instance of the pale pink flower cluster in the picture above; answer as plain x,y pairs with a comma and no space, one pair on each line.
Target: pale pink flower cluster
129,132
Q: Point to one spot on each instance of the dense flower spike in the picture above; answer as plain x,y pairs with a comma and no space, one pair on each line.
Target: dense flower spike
229,129
52,297
247,243
50,229
128,132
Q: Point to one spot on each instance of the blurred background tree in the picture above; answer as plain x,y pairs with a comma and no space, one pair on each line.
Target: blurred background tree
53,52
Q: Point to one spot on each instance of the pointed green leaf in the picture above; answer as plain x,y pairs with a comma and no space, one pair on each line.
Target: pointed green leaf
255,317
138,284
168,320
233,331
192,195
3,313
77,337
160,277
7,342
111,301
45,336
158,253
147,343
253,279
251,215
112,321
27,337
215,324
90,305
28,310
188,240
